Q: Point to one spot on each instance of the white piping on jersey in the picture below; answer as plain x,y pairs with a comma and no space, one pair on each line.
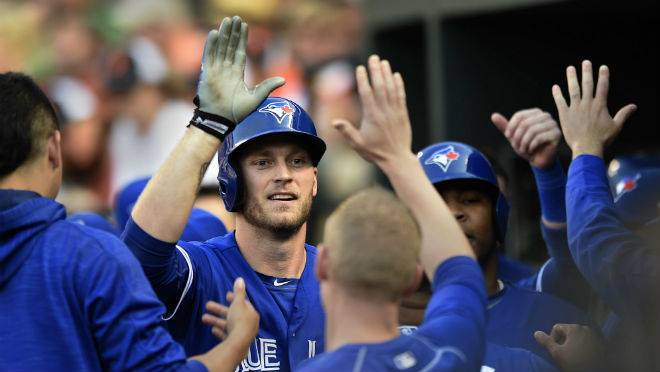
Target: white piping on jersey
500,288
439,352
360,359
539,277
188,282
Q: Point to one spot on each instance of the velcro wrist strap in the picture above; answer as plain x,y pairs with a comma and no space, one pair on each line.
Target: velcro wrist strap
215,125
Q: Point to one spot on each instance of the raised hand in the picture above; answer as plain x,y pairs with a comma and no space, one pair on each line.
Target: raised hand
239,321
574,347
587,124
533,135
384,132
221,88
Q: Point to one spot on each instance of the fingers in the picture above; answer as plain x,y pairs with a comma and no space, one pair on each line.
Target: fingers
559,332
499,121
560,102
530,119
214,321
623,114
239,289
400,89
241,56
234,38
349,132
230,297
587,80
364,88
377,80
517,118
219,333
223,39
552,136
210,47
573,86
533,132
603,85
388,77
217,309
544,339
263,89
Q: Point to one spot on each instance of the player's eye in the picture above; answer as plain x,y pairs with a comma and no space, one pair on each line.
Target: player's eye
298,162
261,163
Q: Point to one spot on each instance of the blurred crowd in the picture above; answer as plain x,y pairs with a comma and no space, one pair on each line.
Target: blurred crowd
123,75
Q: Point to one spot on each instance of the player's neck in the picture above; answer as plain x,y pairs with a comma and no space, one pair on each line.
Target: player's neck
352,319
271,254
490,274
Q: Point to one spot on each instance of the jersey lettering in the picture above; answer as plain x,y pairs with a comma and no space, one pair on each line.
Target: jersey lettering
262,356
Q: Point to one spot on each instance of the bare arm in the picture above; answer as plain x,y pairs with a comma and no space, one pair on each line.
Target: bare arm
164,207
384,138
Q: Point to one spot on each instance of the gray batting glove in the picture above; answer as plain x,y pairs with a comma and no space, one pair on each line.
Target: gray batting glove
221,88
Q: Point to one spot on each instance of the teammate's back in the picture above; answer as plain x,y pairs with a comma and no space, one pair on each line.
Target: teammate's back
64,288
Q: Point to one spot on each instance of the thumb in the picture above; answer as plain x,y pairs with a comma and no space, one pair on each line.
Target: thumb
624,113
263,89
500,121
239,289
348,130
545,340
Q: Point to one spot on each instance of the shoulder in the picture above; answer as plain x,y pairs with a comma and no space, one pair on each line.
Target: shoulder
544,302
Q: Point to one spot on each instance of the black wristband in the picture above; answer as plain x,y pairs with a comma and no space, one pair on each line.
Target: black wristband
215,125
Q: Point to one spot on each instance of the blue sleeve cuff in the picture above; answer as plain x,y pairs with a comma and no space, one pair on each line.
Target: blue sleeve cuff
551,184
461,270
588,170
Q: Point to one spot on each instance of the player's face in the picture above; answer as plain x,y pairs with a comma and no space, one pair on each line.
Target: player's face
280,183
473,209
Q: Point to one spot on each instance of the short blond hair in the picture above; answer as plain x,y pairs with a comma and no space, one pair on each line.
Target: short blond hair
373,245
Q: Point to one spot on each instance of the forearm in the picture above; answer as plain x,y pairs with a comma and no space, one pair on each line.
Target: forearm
225,356
551,185
442,238
164,207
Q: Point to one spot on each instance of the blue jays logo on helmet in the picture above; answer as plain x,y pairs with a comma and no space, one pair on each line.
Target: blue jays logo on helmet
443,157
279,110
625,185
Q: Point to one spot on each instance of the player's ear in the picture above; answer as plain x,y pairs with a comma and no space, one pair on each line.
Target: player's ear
321,264
315,187
54,150
417,280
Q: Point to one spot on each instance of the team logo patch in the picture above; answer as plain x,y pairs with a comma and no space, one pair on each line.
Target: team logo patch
624,186
280,110
443,157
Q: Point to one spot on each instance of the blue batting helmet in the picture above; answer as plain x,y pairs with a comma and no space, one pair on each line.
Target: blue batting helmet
452,161
635,186
273,116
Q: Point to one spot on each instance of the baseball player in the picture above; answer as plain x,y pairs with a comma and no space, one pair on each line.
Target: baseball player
73,297
371,245
267,177
466,181
619,264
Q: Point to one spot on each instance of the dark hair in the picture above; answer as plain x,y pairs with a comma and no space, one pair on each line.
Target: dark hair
27,119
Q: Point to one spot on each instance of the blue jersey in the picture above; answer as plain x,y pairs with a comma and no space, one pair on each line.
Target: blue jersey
502,358
74,298
451,337
619,265
187,275
514,314
559,276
